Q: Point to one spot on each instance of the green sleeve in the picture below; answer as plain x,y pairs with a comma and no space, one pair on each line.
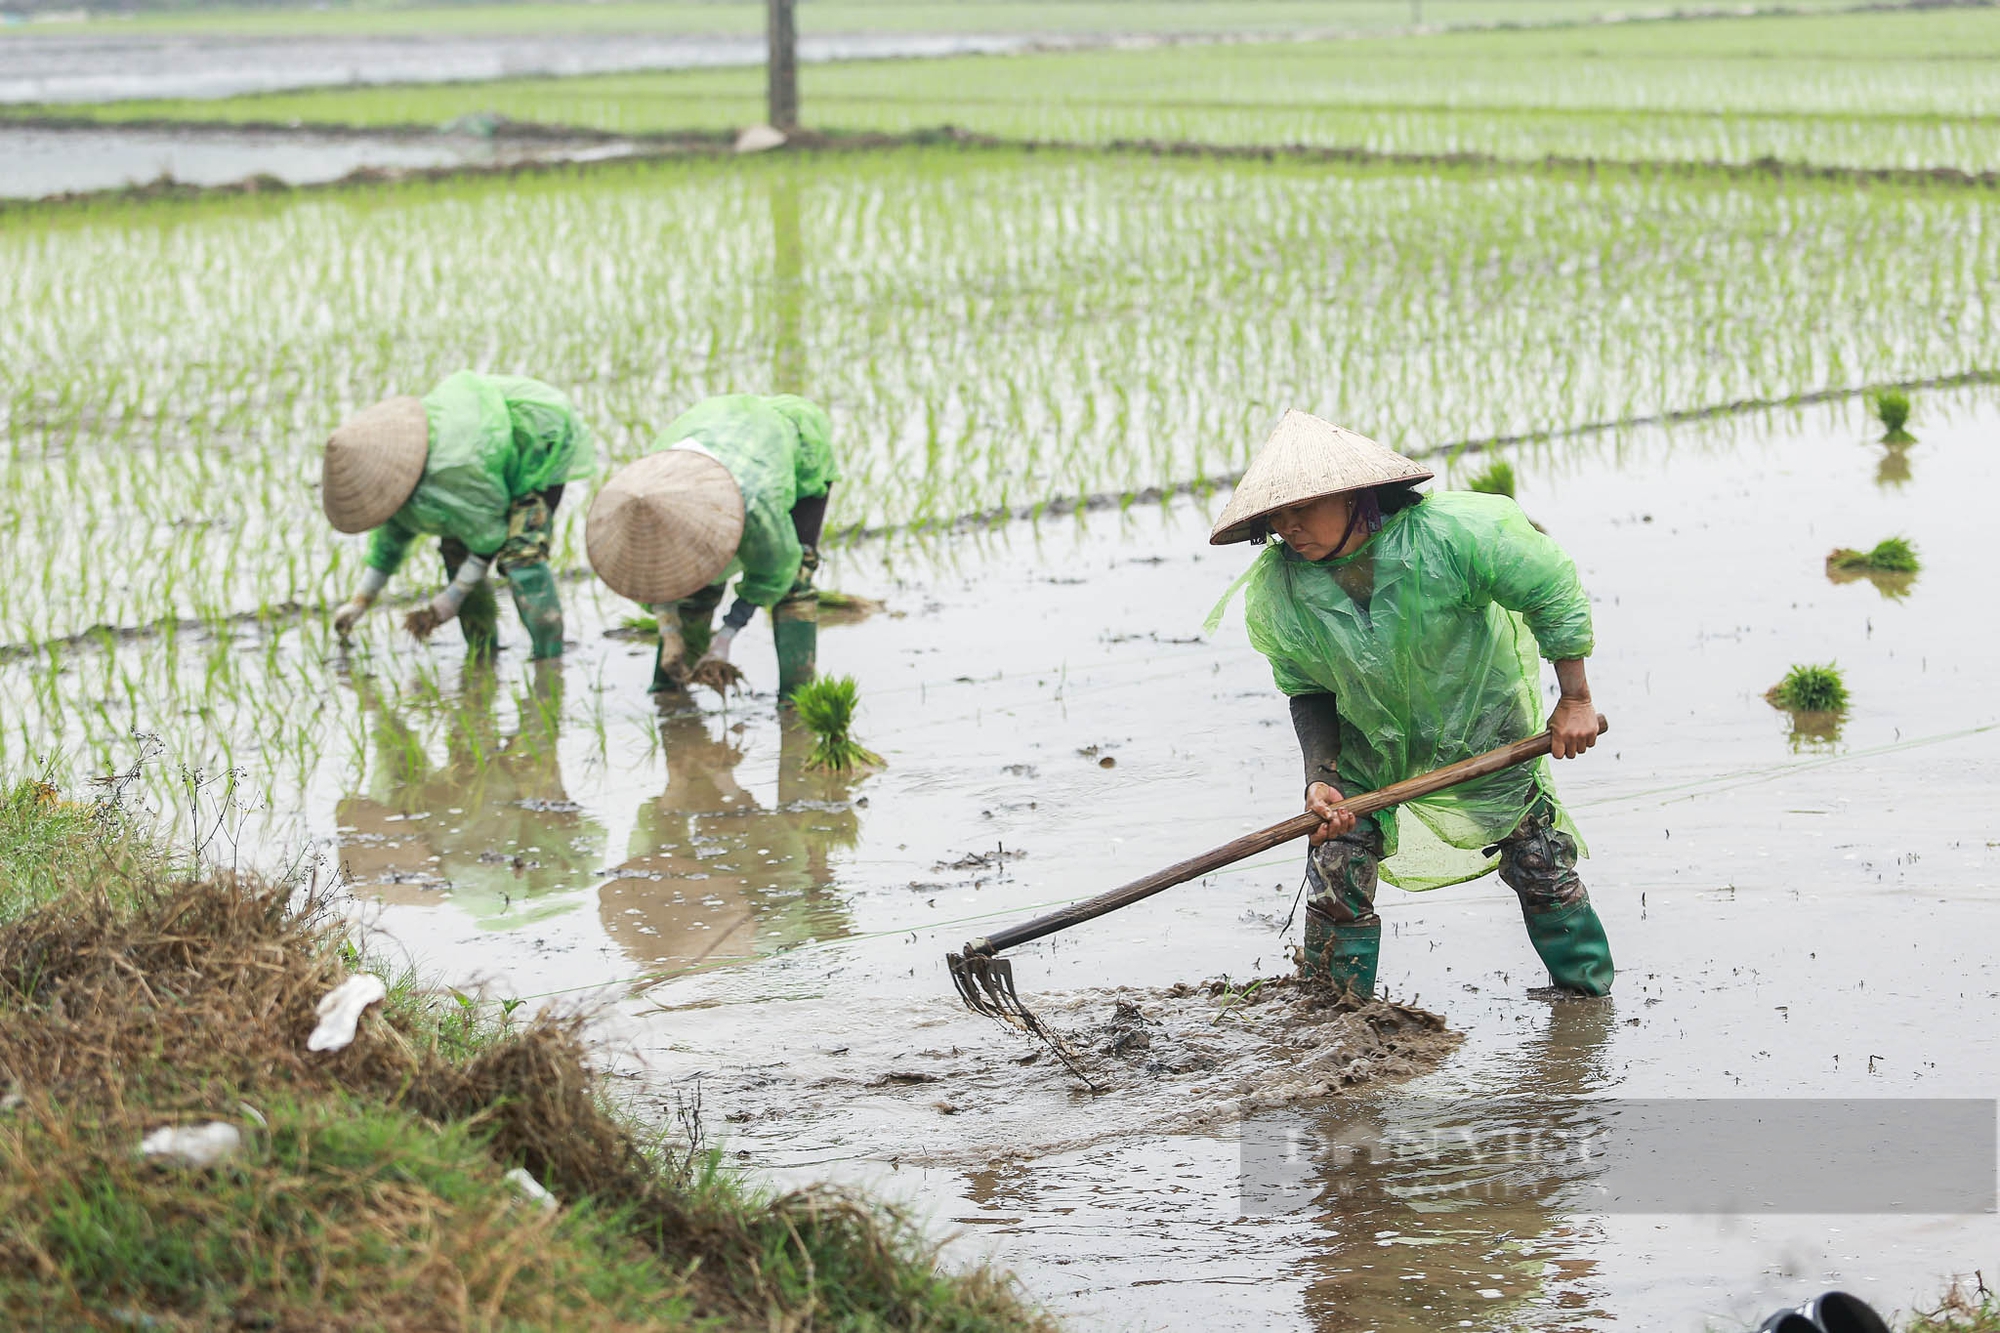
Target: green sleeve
770,555
388,545
1522,569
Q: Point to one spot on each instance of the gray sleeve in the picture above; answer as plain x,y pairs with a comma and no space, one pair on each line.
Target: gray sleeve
1317,723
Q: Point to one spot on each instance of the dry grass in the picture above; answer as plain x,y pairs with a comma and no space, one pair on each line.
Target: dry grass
370,1192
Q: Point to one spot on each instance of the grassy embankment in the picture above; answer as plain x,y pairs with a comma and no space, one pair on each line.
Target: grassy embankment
370,1189
1876,91
746,17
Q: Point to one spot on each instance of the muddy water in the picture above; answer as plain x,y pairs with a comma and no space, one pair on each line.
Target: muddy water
1795,913
105,67
43,161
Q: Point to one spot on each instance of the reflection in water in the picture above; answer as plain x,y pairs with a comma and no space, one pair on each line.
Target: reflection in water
1438,1211
712,875
1892,470
1814,731
788,361
1893,584
491,827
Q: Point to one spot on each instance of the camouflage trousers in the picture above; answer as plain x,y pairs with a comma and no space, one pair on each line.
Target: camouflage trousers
1537,861
523,559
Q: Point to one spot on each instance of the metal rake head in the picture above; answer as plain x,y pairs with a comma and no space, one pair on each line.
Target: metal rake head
986,984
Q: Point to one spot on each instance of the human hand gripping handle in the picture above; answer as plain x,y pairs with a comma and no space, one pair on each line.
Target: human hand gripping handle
1323,801
1574,725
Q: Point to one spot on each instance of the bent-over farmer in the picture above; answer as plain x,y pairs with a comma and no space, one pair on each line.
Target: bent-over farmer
1407,629
736,485
479,462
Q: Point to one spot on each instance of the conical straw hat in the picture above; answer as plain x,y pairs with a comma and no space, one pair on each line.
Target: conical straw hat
665,527
1304,459
374,460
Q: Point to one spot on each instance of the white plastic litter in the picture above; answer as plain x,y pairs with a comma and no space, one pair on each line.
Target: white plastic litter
192,1145
530,1188
340,1011
759,139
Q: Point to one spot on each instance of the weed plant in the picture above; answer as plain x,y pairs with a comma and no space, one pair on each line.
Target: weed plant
1892,409
1811,689
1891,555
826,706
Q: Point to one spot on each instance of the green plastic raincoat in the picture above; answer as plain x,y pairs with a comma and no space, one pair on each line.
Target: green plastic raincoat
494,440
1429,638
780,451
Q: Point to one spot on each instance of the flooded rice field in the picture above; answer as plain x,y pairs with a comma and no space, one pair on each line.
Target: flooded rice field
1061,323
108,67
43,161
1797,911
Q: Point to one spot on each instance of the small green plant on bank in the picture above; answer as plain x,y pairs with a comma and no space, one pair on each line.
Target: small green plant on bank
827,706
1497,479
1891,555
1811,689
1892,409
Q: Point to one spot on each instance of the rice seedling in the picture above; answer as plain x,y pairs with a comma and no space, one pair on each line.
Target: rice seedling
1892,409
1811,689
1072,324
1891,555
826,706
1496,479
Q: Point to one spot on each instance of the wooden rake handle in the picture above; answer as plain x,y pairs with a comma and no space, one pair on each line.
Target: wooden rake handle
1263,840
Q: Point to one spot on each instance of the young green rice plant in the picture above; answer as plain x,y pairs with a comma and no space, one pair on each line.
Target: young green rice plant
826,706
1891,555
1497,479
1892,409
1811,689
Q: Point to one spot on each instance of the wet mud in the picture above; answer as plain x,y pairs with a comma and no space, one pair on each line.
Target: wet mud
1267,1042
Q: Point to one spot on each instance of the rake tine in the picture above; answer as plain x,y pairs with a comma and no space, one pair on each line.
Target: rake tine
986,984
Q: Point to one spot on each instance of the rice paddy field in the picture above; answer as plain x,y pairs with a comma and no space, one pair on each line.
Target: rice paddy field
1047,359
1893,90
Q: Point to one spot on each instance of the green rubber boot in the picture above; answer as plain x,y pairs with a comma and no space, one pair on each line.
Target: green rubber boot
1573,947
1342,955
795,626
535,598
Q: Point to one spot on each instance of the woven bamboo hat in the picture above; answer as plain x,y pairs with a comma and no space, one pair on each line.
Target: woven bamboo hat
1304,459
374,459
666,526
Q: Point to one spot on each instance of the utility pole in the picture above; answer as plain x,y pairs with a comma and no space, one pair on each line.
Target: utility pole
782,64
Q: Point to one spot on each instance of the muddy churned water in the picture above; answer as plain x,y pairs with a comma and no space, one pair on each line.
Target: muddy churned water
1796,912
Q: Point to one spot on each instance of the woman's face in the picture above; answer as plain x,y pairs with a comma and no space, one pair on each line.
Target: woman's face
1311,529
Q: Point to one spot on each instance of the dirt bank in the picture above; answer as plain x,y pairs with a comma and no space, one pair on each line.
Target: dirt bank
368,1186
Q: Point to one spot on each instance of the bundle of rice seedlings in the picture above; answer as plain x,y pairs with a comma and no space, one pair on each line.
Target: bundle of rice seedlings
1892,408
1497,479
1891,555
1810,689
826,706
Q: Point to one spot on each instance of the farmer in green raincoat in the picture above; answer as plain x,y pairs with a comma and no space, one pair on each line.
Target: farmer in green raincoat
735,486
1407,630
480,463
